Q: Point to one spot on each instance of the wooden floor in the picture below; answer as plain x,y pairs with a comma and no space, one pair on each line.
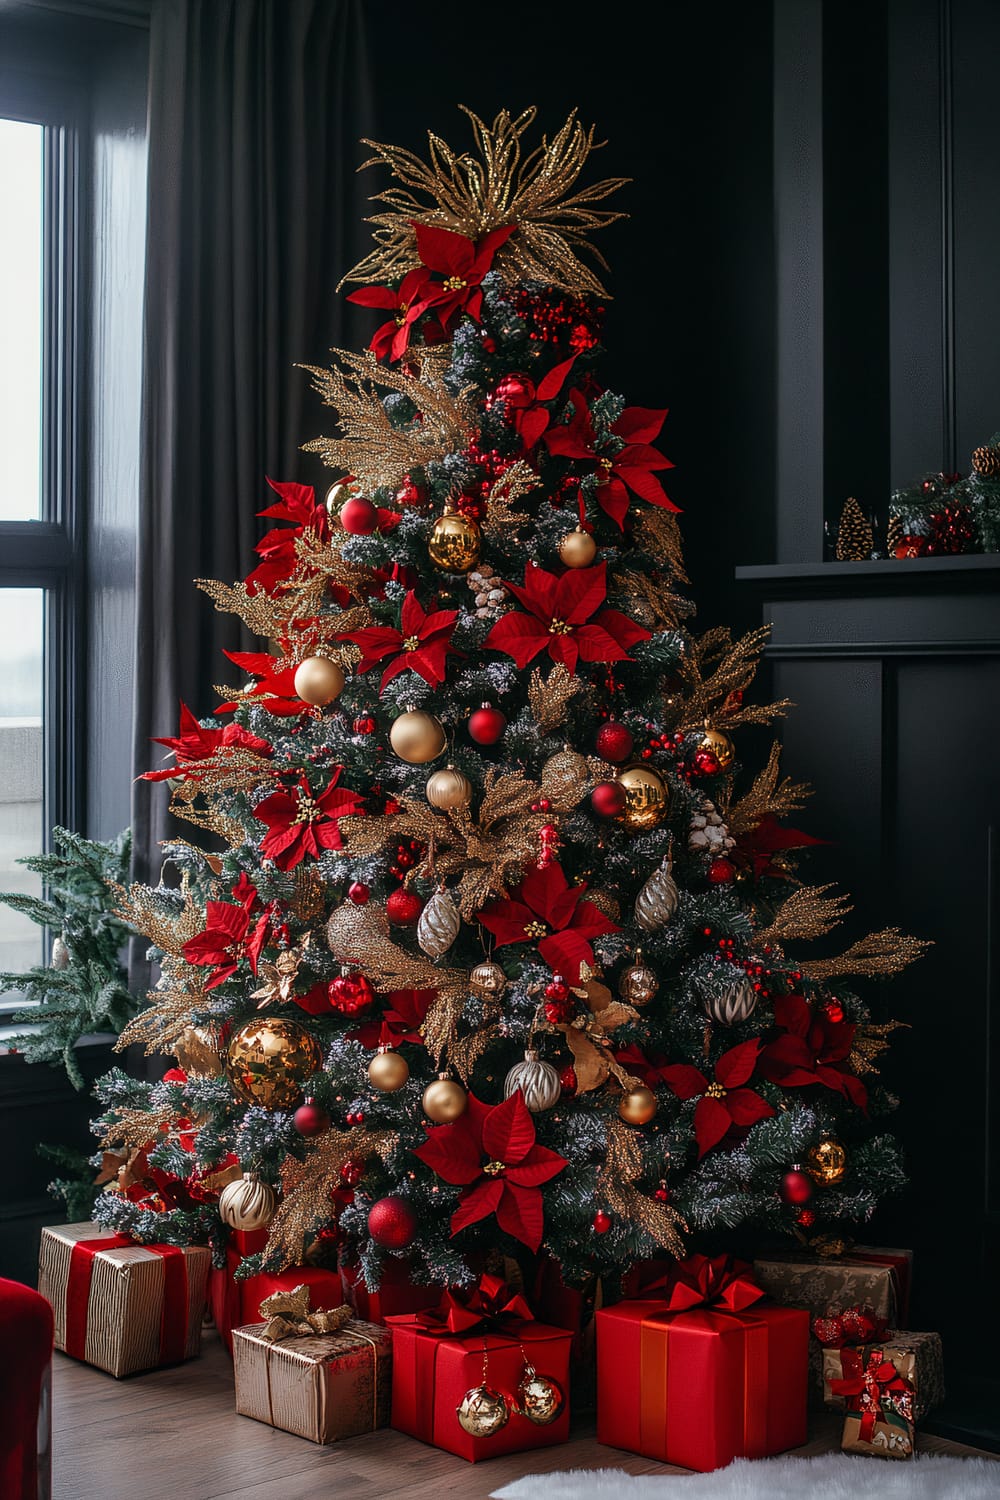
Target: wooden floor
173,1435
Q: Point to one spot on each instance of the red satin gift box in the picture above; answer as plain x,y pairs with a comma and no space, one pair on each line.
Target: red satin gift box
234,1303
431,1375
703,1386
396,1293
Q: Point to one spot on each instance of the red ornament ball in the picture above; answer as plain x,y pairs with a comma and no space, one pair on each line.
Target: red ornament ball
721,871
567,1080
608,799
358,892
364,724
662,1195
834,1011
486,725
805,1218
403,908
358,516
601,1222
706,763
517,389
310,1119
350,993
614,743
796,1187
392,1222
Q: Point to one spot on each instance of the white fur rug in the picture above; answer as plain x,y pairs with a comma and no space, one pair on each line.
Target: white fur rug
834,1476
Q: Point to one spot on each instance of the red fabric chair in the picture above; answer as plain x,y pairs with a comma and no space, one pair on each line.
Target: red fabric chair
25,1393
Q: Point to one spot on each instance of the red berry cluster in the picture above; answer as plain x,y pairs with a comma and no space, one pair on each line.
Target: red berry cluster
408,851
364,724
754,970
559,1003
548,838
553,318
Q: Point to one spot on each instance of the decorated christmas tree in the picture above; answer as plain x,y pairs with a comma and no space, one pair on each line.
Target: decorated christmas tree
501,948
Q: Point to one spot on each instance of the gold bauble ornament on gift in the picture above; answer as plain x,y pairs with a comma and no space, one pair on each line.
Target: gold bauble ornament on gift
454,543
487,980
714,742
827,1162
646,799
448,789
537,1080
638,1106
247,1203
732,1004
268,1061
444,1100
318,680
483,1411
577,549
417,737
388,1070
638,984
657,901
438,925
539,1399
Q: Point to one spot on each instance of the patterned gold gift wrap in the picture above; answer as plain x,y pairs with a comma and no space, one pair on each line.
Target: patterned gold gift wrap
918,1356
121,1306
876,1279
321,1386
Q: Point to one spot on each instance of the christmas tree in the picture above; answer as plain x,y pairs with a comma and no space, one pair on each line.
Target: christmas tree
500,949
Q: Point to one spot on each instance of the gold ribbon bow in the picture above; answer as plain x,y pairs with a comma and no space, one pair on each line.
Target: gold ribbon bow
288,1316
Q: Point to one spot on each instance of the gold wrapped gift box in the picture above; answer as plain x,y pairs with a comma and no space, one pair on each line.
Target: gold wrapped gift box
321,1386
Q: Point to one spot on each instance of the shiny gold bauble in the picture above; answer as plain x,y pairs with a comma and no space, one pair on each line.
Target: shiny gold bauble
444,1100
646,799
454,542
388,1070
268,1061
577,549
247,1203
448,788
539,1399
714,742
483,1411
827,1162
336,496
638,1106
487,979
638,984
417,737
318,680
198,1051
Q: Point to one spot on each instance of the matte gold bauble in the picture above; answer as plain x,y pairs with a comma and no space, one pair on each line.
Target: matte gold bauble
453,544
487,979
539,1399
444,1100
827,1162
638,984
268,1061
638,1106
388,1070
318,680
417,737
448,789
483,1411
247,1203
577,549
714,742
646,801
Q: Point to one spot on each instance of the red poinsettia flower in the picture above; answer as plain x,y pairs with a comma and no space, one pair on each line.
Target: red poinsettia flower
724,1101
461,264
492,1153
277,549
758,847
274,688
633,467
193,744
649,1068
404,1014
405,304
812,1049
299,823
547,910
524,401
421,644
562,619
230,935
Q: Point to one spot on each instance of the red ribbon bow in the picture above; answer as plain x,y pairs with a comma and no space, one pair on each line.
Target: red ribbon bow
855,1325
870,1384
483,1308
705,1281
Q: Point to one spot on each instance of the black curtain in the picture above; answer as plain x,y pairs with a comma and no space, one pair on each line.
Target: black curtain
255,211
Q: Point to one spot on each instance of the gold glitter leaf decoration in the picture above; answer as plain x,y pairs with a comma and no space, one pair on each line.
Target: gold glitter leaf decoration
808,913
549,696
876,956
306,1188
871,1039
766,795
619,1173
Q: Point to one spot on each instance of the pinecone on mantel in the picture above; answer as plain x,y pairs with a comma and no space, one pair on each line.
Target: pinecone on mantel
854,533
986,461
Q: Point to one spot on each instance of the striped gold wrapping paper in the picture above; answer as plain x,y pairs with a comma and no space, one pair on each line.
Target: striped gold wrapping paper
323,1387
126,1298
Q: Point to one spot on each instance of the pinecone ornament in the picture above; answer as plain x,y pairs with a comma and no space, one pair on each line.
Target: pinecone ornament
439,923
986,461
708,834
854,533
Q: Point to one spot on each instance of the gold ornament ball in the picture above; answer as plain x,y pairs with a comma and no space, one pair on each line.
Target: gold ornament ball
453,544
335,497
646,799
638,1106
247,1203
448,788
541,1400
268,1061
318,680
483,1411
827,1162
388,1070
417,737
488,979
566,777
714,742
197,1051
444,1100
638,984
577,549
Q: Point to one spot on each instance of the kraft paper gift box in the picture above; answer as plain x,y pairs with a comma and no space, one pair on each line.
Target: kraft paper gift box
867,1275
924,1367
121,1306
879,1397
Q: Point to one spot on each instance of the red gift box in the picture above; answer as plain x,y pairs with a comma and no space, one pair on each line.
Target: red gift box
567,1307
396,1293
233,1303
438,1357
705,1373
